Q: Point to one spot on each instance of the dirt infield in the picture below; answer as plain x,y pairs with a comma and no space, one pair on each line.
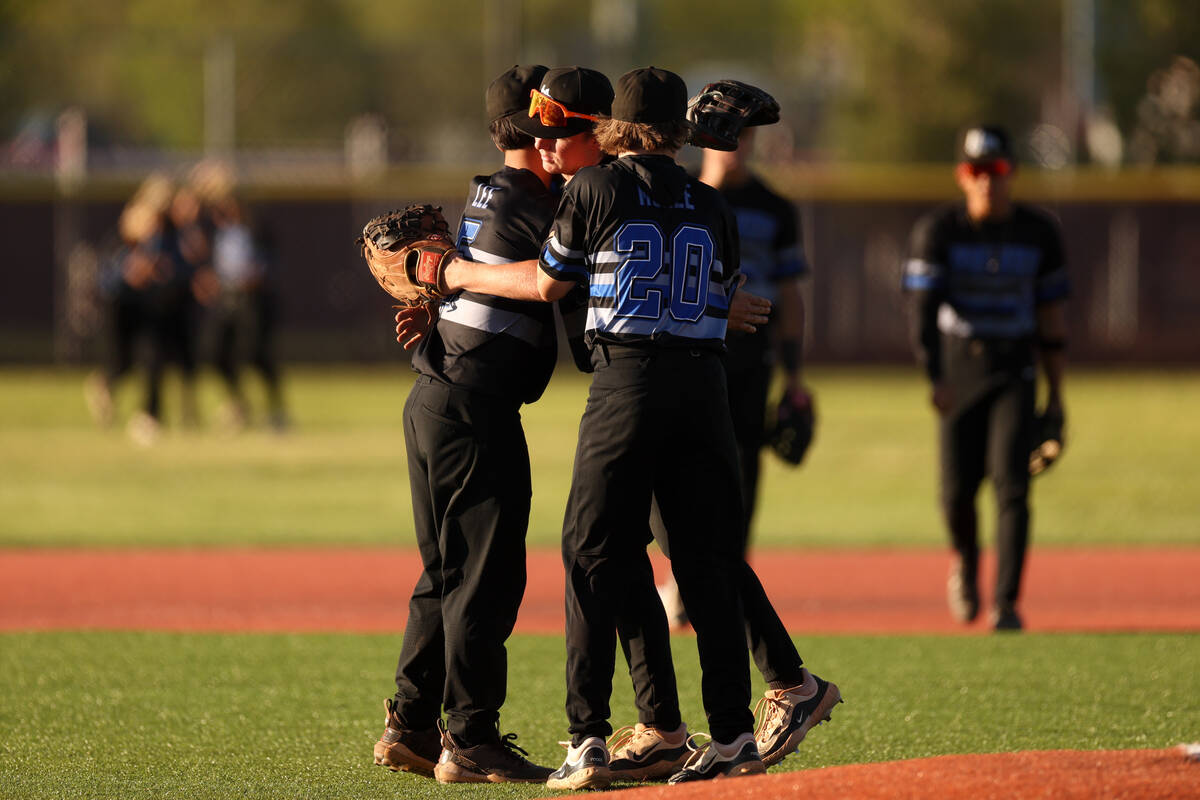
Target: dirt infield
1048,774
815,592
367,590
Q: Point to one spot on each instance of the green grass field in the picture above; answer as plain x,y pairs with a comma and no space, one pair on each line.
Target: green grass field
1128,477
141,715
154,715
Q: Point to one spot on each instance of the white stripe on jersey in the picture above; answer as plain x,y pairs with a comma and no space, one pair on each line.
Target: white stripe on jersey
492,320
563,253
483,256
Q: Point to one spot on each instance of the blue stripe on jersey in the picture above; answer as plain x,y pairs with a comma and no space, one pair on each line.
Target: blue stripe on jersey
562,270
1007,259
921,283
922,275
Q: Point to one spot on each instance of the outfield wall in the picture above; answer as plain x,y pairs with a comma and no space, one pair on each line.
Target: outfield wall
1133,245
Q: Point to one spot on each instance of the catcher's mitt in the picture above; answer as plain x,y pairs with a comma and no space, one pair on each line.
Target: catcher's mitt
791,431
718,114
1048,441
407,251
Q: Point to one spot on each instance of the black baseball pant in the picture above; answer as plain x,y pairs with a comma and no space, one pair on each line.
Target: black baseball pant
657,421
469,473
988,432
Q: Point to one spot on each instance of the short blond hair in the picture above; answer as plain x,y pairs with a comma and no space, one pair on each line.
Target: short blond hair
617,136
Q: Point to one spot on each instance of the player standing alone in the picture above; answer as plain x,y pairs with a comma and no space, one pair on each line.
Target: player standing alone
469,473
987,282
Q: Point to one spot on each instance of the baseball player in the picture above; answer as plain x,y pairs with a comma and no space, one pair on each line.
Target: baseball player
987,285
658,252
657,746
245,310
148,282
773,262
469,471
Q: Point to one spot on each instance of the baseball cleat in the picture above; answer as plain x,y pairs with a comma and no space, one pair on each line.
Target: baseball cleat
642,753
962,594
713,760
402,750
497,761
787,715
1006,618
586,767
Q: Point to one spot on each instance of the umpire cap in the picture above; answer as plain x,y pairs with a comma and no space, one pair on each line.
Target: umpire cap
983,144
509,93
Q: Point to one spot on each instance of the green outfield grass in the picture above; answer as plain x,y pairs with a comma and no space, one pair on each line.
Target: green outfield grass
338,478
153,715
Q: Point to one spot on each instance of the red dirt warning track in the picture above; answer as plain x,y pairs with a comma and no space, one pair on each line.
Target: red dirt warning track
367,590
815,592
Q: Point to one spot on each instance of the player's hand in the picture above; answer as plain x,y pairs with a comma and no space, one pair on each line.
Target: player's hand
412,324
941,397
747,311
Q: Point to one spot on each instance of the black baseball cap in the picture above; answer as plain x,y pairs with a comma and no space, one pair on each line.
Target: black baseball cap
509,93
578,89
983,144
650,95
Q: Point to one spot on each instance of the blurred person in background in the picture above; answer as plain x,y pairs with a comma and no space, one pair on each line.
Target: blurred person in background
192,228
147,284
236,287
775,268
986,281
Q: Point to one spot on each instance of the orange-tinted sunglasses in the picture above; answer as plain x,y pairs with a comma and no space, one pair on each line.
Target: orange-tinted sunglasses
998,168
552,113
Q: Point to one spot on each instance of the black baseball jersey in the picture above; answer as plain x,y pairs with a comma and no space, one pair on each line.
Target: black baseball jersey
771,245
491,344
989,277
656,249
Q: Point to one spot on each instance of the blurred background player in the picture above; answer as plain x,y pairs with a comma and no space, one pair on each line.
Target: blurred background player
235,285
774,265
987,284
245,311
148,287
479,358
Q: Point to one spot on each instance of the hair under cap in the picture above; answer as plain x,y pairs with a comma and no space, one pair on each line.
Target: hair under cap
650,95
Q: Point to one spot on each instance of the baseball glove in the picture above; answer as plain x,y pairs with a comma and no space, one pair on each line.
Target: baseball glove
407,250
791,431
1048,441
718,114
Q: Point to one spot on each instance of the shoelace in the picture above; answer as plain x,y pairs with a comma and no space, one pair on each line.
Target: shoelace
512,748
622,737
698,749
769,715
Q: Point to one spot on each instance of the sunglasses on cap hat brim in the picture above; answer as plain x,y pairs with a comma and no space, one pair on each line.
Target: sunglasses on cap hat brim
997,168
552,113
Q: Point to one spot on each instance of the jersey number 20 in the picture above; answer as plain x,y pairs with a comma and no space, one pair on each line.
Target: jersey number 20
641,247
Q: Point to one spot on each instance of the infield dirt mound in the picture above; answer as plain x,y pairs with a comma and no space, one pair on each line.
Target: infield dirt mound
1046,774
